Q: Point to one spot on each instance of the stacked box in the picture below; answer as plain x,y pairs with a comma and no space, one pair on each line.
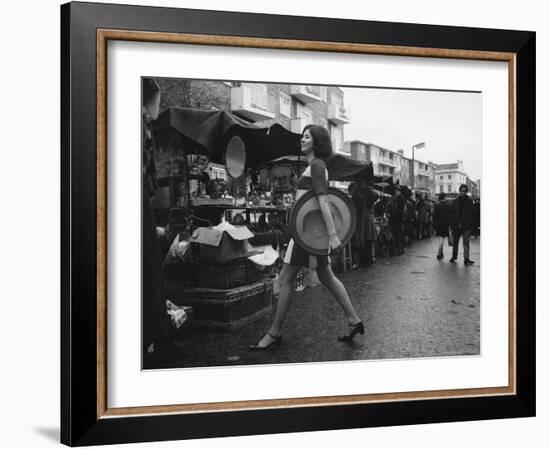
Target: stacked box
226,309
228,275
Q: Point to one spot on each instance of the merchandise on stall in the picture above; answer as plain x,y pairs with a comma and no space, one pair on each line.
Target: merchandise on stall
235,217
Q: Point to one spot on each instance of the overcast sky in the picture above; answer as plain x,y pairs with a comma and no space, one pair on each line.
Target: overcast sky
449,123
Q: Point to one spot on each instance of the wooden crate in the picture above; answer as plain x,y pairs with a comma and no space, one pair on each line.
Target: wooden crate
226,309
225,275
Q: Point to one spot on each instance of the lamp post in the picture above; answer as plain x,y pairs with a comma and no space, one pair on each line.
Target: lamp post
418,146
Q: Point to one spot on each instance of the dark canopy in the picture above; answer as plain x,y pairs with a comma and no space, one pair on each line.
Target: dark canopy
343,168
209,132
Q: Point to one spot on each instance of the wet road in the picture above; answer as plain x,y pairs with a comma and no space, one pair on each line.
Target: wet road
412,306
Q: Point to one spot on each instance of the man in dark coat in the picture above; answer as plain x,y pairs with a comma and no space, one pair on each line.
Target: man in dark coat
441,221
462,223
397,216
422,210
364,197
155,320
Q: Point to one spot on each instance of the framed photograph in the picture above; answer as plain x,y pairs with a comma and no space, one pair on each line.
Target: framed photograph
284,224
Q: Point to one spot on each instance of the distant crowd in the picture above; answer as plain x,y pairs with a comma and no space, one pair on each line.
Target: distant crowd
386,225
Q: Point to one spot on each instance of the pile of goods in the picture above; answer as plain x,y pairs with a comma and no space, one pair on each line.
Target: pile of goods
230,289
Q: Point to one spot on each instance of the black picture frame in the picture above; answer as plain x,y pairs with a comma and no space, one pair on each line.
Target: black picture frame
81,421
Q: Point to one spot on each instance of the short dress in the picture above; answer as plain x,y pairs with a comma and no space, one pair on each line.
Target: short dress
315,177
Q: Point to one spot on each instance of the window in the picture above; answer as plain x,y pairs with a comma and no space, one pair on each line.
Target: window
284,104
324,94
449,177
441,189
304,113
337,138
449,188
441,177
258,96
335,99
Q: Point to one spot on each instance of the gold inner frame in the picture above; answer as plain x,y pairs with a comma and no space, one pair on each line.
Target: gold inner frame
104,35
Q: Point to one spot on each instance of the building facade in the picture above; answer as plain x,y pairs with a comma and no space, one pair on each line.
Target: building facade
449,177
473,188
395,164
292,106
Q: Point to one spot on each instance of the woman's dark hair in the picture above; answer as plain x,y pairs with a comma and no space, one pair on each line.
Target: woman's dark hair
463,186
322,146
441,196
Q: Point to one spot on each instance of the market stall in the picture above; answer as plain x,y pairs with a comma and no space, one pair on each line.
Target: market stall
202,215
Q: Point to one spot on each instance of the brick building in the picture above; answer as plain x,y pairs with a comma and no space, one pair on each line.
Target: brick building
292,106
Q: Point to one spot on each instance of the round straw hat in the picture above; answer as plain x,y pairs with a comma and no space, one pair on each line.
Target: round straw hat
307,225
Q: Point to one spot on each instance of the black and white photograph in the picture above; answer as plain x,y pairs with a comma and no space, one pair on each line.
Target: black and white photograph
291,223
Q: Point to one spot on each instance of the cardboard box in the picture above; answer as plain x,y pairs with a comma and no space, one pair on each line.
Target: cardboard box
222,244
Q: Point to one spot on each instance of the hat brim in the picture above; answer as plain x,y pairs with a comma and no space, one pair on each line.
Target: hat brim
307,225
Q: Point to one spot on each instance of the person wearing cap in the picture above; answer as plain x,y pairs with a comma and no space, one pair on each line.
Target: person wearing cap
316,145
462,223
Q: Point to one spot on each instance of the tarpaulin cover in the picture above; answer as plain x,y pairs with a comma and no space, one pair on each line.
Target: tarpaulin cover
339,167
211,130
343,168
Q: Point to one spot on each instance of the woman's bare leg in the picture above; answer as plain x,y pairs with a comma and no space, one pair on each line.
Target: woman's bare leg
287,278
330,281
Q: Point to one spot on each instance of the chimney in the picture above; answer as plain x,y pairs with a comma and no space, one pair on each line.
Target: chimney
401,152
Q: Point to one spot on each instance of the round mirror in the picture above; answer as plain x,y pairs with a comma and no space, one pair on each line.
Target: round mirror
235,157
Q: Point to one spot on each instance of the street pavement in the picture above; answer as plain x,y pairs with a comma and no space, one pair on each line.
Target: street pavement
412,306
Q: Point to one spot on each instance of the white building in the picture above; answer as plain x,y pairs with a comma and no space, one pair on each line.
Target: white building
449,177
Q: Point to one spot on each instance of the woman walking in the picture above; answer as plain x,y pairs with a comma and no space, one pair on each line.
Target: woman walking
441,220
316,145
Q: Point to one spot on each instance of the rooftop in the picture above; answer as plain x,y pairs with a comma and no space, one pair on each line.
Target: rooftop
447,166
349,142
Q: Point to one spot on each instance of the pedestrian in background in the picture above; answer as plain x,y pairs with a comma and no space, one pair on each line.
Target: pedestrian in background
397,216
371,197
422,209
364,197
410,220
462,223
441,220
477,219
429,219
